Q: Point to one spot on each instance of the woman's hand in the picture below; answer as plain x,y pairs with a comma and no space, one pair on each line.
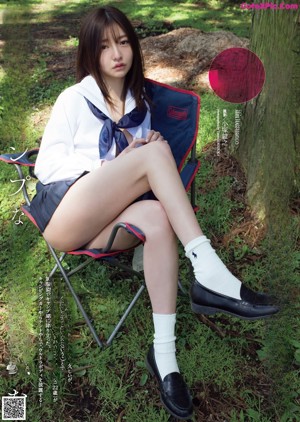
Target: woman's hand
135,143
153,136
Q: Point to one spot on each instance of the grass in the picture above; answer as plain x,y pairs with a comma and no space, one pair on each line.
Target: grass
227,362
208,15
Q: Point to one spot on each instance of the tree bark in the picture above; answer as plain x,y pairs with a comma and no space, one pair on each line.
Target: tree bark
269,142
269,151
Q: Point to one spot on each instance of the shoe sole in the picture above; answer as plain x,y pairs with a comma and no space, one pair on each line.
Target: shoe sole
207,310
161,398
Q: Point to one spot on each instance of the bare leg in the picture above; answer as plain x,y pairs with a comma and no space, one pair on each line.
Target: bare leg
97,201
160,251
98,198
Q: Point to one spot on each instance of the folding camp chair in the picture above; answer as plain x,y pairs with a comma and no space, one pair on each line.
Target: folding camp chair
175,115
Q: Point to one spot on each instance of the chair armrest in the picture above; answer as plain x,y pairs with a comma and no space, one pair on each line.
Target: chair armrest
21,158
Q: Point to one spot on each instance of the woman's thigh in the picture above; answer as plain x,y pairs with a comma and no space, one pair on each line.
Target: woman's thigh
147,215
96,200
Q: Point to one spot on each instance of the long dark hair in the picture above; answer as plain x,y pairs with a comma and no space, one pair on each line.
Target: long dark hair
89,51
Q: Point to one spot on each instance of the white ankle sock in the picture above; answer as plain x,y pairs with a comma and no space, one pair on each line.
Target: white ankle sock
164,343
209,270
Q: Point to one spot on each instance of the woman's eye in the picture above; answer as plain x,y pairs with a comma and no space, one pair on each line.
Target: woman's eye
104,46
124,42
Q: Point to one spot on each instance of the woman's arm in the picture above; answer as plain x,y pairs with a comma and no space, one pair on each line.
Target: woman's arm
64,154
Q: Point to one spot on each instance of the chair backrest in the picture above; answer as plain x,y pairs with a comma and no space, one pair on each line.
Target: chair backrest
175,114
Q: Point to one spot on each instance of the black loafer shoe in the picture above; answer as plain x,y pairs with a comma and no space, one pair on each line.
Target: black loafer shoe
252,305
174,393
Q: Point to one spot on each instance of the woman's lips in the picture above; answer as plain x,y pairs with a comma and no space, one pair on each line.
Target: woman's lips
119,66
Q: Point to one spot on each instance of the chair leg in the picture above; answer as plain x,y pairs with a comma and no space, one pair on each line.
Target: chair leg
61,258
115,263
75,297
66,276
125,315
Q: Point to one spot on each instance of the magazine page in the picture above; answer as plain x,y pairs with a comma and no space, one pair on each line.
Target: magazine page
123,297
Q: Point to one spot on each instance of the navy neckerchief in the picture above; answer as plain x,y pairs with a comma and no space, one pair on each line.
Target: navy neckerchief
112,130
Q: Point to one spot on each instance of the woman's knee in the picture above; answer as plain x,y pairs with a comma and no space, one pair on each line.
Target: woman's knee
155,219
158,150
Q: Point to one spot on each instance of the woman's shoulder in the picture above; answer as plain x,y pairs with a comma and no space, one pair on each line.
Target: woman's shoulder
78,93
68,102
69,94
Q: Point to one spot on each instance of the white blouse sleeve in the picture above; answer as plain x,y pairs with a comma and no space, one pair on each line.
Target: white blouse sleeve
58,157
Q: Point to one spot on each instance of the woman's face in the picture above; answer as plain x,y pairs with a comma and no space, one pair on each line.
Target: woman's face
116,54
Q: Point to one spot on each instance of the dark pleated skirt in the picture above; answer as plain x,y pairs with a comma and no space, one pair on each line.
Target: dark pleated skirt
47,199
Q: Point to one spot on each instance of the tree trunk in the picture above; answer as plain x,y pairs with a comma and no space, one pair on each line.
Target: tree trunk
269,152
269,144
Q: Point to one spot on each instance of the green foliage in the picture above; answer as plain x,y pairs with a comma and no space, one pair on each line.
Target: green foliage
17,2
208,15
214,213
43,89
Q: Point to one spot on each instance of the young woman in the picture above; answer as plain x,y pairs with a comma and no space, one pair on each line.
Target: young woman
97,156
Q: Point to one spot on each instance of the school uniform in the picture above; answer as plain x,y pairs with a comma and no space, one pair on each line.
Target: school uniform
70,144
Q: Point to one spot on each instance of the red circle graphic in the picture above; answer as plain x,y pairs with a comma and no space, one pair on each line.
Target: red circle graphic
236,75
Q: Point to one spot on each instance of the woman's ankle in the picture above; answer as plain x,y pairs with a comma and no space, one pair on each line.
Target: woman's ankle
209,270
164,343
